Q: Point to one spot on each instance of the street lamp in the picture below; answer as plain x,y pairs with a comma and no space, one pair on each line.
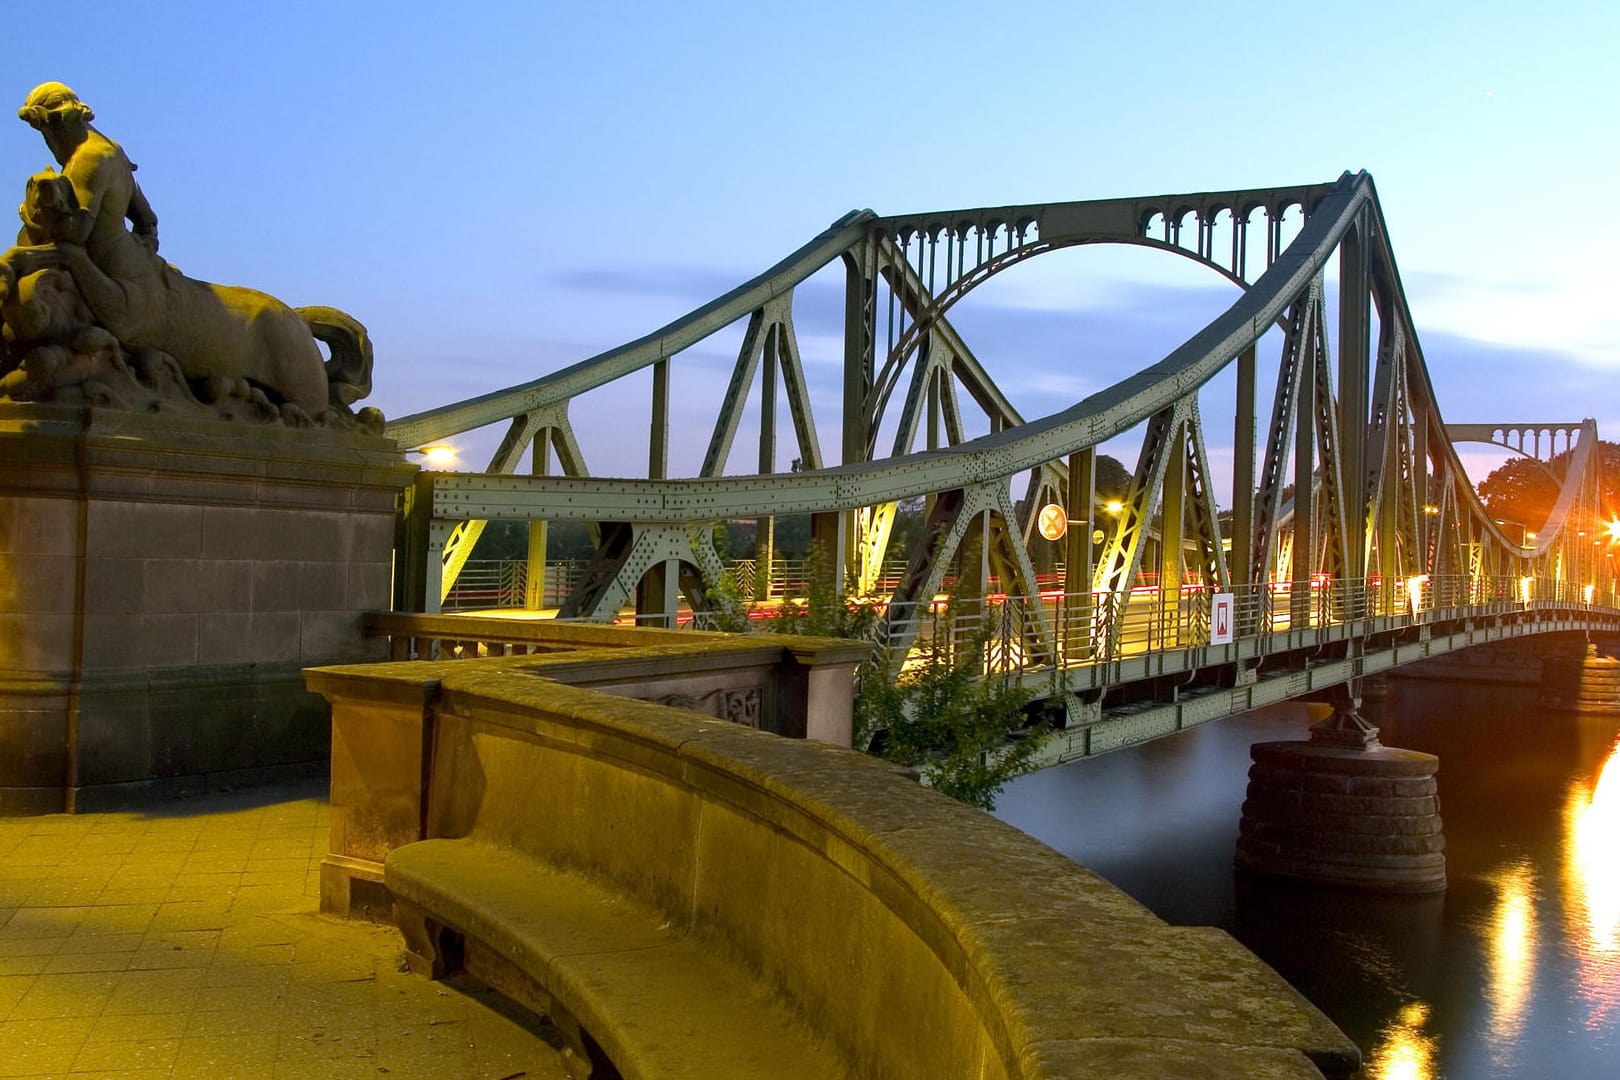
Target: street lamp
438,455
1525,535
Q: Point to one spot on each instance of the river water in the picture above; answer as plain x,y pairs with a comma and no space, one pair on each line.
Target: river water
1512,972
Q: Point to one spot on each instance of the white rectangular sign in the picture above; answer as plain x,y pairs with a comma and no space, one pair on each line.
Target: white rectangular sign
1220,618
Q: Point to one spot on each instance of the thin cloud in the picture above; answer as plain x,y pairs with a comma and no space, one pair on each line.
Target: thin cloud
1575,320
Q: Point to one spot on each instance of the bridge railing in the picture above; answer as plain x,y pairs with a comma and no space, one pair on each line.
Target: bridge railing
1014,634
503,583
1020,633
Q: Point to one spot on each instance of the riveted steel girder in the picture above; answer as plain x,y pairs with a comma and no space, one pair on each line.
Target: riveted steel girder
1364,469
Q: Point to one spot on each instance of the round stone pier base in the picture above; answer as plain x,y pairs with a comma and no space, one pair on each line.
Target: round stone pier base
1340,815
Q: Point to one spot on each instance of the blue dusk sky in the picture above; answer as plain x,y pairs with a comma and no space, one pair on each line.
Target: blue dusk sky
501,189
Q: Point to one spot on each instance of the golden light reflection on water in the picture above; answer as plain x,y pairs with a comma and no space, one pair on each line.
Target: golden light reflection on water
1592,888
1511,937
1405,1051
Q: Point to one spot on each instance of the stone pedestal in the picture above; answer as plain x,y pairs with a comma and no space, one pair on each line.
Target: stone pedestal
163,582
1342,815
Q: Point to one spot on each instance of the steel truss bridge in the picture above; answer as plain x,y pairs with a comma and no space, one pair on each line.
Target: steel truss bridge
1356,541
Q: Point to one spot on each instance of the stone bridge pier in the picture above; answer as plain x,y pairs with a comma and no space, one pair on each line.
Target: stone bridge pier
1343,809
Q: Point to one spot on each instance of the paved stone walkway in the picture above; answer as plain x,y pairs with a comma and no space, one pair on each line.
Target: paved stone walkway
184,941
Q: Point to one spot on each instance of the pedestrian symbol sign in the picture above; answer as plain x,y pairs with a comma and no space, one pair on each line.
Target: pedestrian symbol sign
1220,619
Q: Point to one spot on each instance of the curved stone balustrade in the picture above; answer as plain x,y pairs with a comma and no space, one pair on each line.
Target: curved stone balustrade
919,936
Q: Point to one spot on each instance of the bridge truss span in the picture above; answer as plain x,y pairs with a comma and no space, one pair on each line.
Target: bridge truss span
1349,504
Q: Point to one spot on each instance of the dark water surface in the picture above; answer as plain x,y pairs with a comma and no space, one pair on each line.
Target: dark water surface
1513,972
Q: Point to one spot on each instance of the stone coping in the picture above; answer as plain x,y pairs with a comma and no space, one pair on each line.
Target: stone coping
1066,974
559,636
580,654
112,454
452,626
35,420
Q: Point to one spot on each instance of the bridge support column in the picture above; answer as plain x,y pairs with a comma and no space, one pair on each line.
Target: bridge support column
1342,809
829,535
658,595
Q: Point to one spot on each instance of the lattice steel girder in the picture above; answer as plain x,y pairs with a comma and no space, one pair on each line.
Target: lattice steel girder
959,362
1100,220
550,423
1268,502
628,553
603,368
990,458
952,518
1333,210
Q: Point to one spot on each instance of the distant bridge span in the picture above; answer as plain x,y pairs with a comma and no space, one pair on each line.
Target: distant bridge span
1390,555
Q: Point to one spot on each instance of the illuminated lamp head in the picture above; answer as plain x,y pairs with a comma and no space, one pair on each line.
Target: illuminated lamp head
1612,527
52,101
439,455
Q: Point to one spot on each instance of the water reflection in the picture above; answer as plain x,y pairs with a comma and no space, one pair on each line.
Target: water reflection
1512,974
1511,939
1405,1051
1592,889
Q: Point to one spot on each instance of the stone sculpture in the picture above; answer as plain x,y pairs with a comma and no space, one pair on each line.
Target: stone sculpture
91,313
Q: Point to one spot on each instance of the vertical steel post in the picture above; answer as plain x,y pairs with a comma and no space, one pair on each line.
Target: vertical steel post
933,407
658,594
829,537
1355,311
765,528
972,581
1304,548
1389,510
414,552
1172,527
1243,432
658,436
1078,564
1422,526
534,582
860,339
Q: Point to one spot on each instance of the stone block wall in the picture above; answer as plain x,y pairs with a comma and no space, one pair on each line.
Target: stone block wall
163,583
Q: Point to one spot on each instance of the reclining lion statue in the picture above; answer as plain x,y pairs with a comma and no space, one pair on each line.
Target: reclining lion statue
77,261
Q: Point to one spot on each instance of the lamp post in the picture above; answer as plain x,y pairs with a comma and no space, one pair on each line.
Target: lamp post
439,455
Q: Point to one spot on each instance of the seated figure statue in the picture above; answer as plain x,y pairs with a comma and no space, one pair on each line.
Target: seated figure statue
87,259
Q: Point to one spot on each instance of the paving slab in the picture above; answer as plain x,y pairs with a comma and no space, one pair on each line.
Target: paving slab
184,940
